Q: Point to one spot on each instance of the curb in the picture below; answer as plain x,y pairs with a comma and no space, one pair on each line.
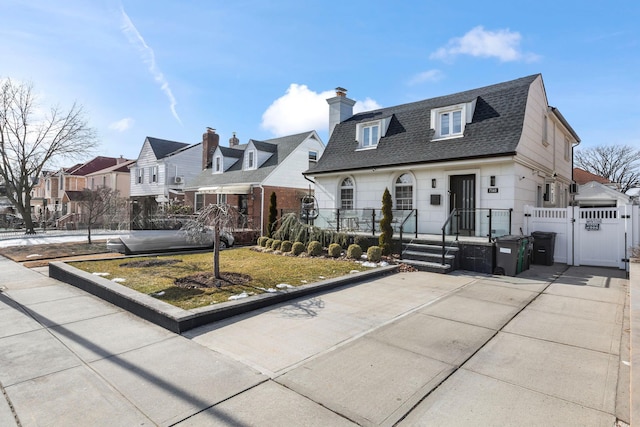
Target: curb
179,320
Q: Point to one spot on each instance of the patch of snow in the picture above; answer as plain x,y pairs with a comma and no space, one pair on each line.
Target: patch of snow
33,255
303,281
118,280
157,294
239,296
369,264
321,277
383,264
270,290
100,274
354,271
284,286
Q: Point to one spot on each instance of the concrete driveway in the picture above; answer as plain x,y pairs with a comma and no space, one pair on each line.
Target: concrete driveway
546,348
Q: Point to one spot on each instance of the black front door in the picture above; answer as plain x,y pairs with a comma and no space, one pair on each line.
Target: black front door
462,197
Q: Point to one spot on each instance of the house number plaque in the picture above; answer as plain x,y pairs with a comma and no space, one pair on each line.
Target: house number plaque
592,225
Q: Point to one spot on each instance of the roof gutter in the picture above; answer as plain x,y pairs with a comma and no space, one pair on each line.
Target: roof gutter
566,124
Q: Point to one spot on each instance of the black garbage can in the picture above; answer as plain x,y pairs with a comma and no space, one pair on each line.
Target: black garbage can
543,247
509,255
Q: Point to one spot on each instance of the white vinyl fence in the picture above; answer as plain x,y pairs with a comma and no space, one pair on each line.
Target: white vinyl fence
588,236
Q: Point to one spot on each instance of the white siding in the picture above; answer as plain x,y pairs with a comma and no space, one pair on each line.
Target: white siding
289,171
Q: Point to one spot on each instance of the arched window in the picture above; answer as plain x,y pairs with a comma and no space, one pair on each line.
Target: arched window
346,194
404,192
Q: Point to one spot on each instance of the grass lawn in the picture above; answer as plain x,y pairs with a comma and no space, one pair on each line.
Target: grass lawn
185,280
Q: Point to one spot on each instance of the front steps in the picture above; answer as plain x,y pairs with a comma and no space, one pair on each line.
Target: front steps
427,256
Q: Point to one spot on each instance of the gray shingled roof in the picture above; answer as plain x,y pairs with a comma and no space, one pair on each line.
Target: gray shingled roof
494,131
162,147
235,175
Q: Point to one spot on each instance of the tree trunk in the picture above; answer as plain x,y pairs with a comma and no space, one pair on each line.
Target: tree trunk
89,233
216,252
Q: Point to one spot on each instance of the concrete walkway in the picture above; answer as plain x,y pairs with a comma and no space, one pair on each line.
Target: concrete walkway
549,347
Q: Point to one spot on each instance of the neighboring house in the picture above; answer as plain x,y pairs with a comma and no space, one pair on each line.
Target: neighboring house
116,177
245,175
159,175
495,147
595,191
72,181
581,176
594,194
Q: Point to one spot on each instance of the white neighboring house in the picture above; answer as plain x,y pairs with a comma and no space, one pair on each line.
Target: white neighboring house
595,194
159,174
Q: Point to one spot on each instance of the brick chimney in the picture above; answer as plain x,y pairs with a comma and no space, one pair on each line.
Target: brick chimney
340,108
233,141
210,141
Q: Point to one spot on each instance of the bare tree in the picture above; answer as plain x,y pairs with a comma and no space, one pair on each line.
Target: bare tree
617,163
31,138
96,204
216,218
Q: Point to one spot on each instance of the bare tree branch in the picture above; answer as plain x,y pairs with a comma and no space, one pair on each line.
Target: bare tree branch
617,163
31,139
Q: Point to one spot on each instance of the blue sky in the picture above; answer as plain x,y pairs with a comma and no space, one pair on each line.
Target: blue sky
169,69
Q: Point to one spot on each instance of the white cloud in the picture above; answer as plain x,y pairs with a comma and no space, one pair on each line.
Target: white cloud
301,109
122,125
148,56
426,76
501,44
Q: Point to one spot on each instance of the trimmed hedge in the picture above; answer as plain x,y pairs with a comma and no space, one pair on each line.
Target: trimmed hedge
297,248
335,250
374,253
275,245
354,251
262,241
314,248
286,246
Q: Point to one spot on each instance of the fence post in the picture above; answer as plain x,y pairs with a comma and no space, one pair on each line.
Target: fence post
337,220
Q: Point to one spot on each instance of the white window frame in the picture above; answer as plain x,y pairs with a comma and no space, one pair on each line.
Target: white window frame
352,187
252,159
217,164
366,141
221,198
140,176
396,185
153,174
466,116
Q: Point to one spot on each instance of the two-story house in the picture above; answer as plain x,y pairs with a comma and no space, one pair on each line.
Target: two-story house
245,175
159,174
498,147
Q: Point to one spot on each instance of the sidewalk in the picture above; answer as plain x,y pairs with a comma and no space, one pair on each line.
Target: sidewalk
411,349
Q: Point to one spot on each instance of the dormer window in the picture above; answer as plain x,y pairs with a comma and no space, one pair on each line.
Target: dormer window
450,121
370,135
251,160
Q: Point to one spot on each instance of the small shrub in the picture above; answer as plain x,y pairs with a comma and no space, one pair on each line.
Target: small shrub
297,248
314,248
335,250
374,253
268,243
354,251
275,245
285,246
262,241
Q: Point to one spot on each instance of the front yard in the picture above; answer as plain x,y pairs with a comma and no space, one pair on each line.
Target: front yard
187,280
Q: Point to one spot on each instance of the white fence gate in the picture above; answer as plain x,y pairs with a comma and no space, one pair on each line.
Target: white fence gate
588,236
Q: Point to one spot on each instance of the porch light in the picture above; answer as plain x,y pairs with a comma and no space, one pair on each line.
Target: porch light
493,180
433,183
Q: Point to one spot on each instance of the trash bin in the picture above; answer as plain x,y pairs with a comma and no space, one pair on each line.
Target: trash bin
509,255
543,247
